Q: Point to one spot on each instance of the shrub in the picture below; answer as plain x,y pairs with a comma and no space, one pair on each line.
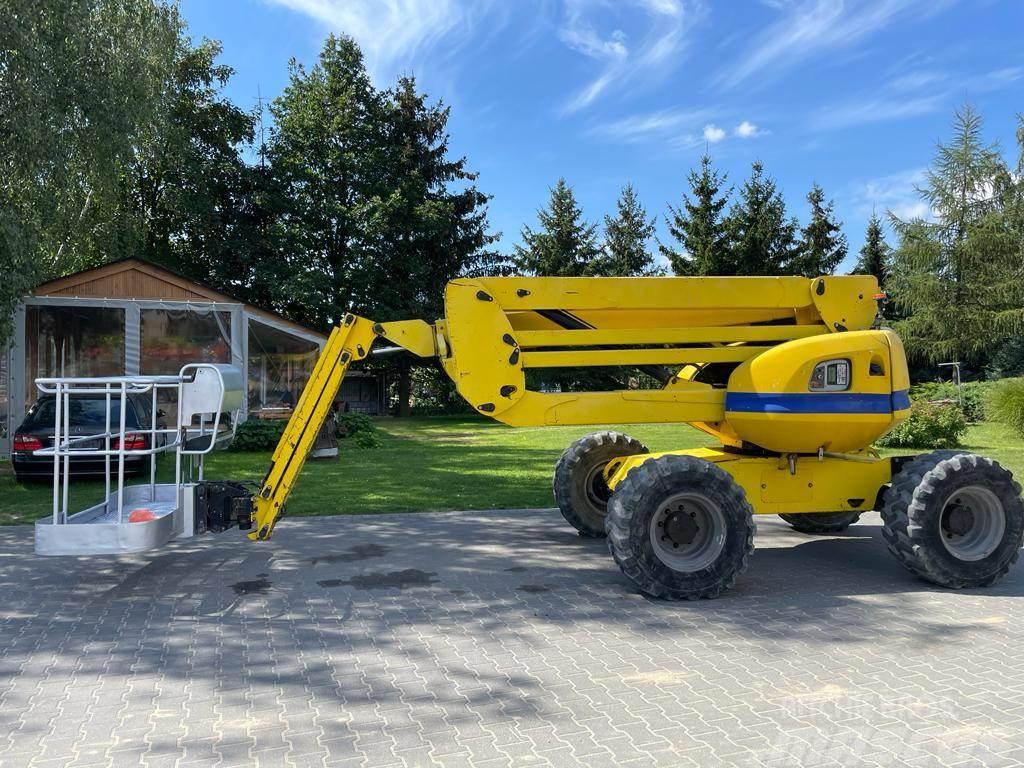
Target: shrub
258,435
1006,403
975,395
353,423
931,425
366,440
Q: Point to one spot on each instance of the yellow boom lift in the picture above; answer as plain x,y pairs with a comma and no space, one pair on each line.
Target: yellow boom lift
791,375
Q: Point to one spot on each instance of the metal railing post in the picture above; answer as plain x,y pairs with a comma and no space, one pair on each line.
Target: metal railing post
56,454
67,458
120,455
152,445
106,457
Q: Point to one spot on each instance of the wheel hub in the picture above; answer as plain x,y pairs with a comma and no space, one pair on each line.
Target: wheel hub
680,527
972,523
687,532
598,492
959,520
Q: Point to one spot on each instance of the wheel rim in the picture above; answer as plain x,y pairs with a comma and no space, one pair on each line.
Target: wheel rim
972,523
597,489
688,532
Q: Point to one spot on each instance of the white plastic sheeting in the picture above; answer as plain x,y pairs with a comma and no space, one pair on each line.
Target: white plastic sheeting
73,341
279,366
115,337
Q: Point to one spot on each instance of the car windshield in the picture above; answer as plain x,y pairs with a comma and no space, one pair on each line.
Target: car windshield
85,412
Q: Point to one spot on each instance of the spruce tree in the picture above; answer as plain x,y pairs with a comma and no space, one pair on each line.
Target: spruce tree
697,226
822,245
956,276
875,253
625,239
329,156
565,245
761,240
378,215
430,221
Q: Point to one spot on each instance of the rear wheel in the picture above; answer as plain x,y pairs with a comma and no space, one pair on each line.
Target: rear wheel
579,487
955,519
822,522
680,528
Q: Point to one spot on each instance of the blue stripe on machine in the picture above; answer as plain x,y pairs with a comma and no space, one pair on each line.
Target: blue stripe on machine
901,400
807,402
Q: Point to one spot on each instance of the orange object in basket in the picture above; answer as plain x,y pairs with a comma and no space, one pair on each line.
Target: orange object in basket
141,515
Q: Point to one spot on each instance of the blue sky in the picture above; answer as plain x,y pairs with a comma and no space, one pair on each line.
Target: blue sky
851,95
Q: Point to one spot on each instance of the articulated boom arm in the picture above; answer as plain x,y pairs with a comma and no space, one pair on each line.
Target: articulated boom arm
496,328
348,342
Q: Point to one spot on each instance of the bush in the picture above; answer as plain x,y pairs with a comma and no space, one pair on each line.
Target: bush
258,435
360,428
975,395
366,440
1006,403
931,425
353,423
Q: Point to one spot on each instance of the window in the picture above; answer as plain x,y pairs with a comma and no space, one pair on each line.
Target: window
173,338
72,341
830,376
279,367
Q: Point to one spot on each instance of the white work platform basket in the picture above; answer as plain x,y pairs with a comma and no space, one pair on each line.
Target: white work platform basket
133,518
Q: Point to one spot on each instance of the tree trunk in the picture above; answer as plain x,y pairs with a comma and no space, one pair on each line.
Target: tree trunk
404,389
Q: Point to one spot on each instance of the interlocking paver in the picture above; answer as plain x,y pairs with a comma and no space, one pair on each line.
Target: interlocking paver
513,642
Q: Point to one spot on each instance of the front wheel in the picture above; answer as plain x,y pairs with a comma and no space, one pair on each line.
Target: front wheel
954,519
680,527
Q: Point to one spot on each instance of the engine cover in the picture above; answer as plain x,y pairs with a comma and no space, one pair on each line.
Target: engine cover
835,392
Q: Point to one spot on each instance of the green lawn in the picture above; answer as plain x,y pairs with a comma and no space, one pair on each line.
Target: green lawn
434,464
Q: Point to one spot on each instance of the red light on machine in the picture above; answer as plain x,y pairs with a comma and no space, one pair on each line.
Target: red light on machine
880,296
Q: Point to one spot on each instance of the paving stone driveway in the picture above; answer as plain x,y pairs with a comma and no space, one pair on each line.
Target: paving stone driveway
492,639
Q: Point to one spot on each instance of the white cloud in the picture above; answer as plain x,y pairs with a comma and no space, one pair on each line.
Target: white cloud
896,193
912,94
395,33
812,27
747,130
876,110
713,134
622,58
915,81
673,127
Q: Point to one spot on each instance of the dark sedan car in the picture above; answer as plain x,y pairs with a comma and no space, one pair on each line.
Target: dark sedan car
87,417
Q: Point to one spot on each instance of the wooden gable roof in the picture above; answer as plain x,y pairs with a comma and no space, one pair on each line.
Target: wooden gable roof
131,279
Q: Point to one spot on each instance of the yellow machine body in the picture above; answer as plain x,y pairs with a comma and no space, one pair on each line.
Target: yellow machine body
743,359
787,484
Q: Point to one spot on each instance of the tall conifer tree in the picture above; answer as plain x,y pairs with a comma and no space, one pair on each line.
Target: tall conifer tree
697,227
565,244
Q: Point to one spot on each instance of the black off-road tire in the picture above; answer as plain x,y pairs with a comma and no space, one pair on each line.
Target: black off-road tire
641,498
579,487
822,522
917,523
